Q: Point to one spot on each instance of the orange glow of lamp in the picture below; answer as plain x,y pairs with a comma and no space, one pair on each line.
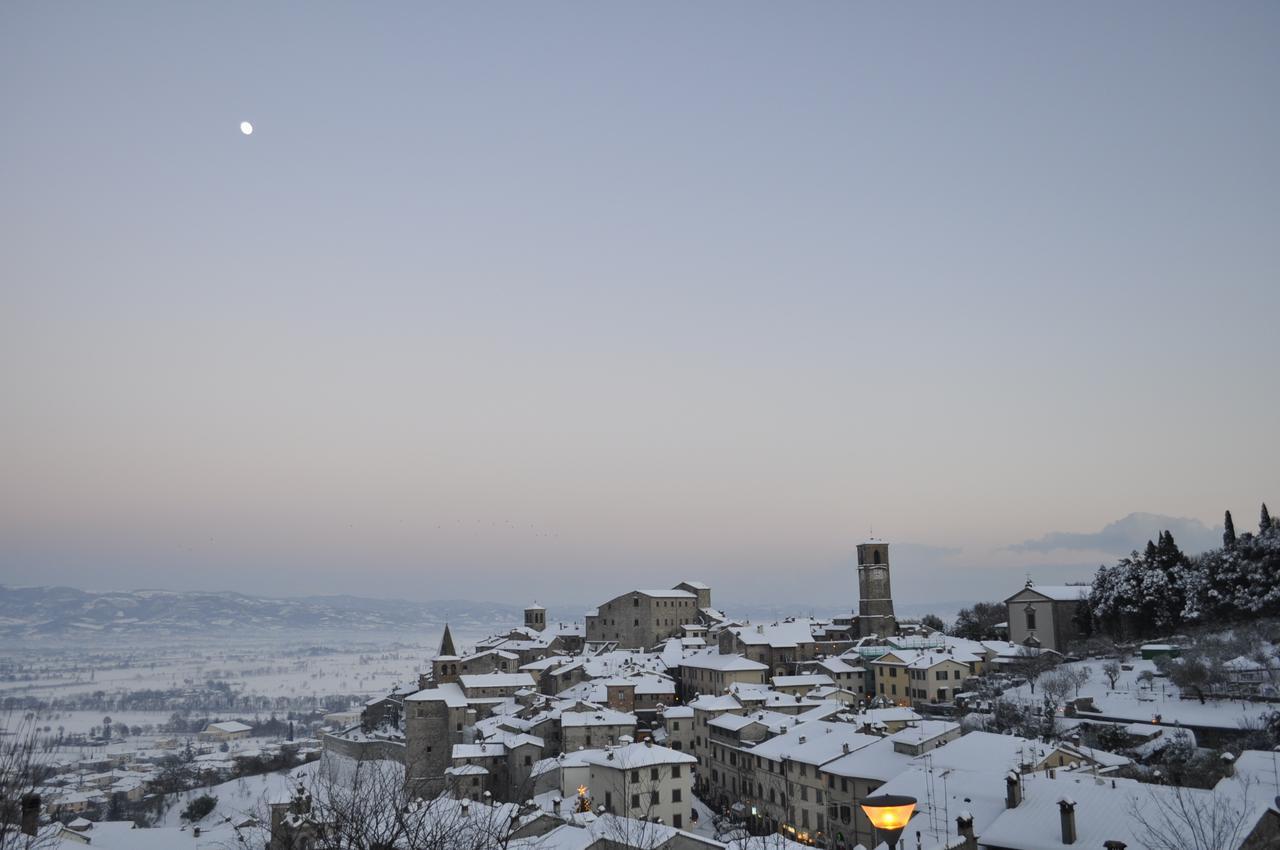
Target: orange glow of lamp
889,814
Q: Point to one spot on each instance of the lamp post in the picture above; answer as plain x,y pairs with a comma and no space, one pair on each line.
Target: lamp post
889,814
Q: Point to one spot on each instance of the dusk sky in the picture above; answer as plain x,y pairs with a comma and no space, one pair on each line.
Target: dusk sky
561,299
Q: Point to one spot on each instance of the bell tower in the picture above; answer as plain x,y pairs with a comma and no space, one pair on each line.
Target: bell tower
875,598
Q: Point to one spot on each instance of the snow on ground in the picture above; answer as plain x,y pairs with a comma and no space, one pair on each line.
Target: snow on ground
248,796
1134,701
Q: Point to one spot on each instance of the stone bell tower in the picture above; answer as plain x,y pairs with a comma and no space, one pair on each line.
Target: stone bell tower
875,598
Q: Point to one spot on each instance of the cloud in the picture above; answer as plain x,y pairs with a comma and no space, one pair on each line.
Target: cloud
1124,535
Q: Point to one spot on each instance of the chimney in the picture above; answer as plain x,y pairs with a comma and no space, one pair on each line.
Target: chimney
964,828
30,814
845,747
1229,764
1067,811
195,832
466,808
648,742
1012,791
555,805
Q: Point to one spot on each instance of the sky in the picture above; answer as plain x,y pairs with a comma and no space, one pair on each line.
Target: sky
504,301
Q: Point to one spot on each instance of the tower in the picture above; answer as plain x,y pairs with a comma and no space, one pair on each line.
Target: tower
535,617
875,598
444,667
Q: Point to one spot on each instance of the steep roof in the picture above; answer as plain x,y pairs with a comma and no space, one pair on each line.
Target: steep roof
1058,592
446,643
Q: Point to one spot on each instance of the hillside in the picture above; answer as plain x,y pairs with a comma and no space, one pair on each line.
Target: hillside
64,611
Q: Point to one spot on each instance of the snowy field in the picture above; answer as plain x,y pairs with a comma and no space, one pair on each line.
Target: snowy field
1133,700
63,679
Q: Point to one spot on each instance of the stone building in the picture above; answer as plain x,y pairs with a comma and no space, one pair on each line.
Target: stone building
643,618
601,727
642,781
923,676
1044,616
535,617
434,720
875,597
713,673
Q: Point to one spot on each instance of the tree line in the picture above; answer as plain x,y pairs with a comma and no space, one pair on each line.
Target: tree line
1162,589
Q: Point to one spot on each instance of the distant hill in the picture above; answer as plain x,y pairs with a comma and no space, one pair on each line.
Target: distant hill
66,612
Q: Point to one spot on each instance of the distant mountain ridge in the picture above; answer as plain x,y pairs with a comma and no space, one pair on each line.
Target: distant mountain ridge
66,611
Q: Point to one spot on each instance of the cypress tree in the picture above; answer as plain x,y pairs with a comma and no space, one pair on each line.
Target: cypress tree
1228,532
1264,525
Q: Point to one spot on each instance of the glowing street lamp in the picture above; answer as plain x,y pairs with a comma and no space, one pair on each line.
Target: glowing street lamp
889,814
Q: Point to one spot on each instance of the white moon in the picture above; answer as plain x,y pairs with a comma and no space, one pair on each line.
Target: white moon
246,128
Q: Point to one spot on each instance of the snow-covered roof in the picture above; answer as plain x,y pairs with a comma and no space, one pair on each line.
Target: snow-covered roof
229,726
1061,592
497,680
783,634
1104,811
448,693
807,680
723,663
817,742
630,756
599,717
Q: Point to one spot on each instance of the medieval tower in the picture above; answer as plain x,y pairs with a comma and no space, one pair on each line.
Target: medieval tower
875,598
535,617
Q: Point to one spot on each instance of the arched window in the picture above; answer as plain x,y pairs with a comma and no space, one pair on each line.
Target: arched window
875,557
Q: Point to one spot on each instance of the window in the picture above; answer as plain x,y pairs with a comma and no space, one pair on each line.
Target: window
804,793
675,771
635,801
675,795
677,821
528,760
653,774
653,798
1031,618
637,622
635,776
635,601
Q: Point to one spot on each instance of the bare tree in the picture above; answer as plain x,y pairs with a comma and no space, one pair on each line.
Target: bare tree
1056,686
362,804
1177,818
1112,671
1031,664
21,770
1080,677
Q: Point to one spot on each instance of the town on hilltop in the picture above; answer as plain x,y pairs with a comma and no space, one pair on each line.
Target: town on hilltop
1053,719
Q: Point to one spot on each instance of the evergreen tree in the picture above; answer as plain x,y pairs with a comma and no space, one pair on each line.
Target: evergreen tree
1264,524
1229,532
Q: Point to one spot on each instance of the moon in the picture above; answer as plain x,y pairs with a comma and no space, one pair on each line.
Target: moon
246,128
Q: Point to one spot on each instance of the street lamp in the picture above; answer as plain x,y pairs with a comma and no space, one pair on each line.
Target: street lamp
889,814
